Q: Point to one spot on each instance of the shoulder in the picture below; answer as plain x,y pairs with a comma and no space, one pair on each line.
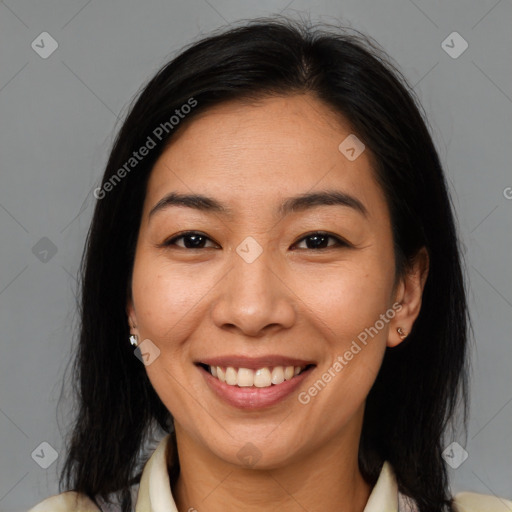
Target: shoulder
474,502
69,501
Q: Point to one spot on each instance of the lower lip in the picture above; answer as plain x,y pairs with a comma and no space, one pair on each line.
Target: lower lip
253,397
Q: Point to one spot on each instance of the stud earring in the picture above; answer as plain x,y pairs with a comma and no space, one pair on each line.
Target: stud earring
401,333
134,339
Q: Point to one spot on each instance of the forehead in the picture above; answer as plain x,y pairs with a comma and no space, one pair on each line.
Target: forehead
254,153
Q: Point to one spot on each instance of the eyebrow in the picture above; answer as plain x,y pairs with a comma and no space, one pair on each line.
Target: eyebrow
293,204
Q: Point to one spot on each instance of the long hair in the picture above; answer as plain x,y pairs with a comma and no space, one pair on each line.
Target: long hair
421,382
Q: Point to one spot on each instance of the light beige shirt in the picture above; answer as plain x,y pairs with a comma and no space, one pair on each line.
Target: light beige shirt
154,494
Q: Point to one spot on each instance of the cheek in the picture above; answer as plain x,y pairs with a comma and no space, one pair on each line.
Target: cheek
348,315
166,297
351,298
346,306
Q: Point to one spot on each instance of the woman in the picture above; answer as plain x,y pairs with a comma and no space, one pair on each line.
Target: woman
272,278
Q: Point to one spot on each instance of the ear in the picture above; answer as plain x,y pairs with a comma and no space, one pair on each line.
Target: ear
409,292
130,313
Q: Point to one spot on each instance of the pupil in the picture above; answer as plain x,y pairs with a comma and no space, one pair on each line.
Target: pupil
196,241
320,240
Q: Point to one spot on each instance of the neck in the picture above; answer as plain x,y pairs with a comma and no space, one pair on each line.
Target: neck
327,479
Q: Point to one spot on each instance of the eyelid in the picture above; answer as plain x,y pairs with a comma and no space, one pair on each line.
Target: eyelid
340,242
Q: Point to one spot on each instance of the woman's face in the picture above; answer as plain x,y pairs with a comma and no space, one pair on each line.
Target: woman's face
255,289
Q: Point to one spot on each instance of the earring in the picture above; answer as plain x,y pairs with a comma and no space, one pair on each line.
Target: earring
134,339
401,333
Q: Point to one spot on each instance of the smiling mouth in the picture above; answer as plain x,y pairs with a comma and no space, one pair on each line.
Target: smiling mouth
264,377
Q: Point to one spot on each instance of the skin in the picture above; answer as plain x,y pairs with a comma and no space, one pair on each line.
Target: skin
294,300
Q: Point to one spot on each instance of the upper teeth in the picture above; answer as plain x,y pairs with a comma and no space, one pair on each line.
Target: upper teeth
261,378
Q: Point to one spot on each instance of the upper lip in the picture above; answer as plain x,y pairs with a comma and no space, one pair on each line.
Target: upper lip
254,362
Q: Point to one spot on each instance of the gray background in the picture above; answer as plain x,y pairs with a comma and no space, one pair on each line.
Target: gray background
58,119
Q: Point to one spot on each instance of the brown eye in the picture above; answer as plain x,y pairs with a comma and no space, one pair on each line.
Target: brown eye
319,240
191,240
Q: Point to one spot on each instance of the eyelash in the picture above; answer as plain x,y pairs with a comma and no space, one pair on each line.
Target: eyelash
339,241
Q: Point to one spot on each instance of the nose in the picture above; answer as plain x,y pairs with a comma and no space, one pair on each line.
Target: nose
254,297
